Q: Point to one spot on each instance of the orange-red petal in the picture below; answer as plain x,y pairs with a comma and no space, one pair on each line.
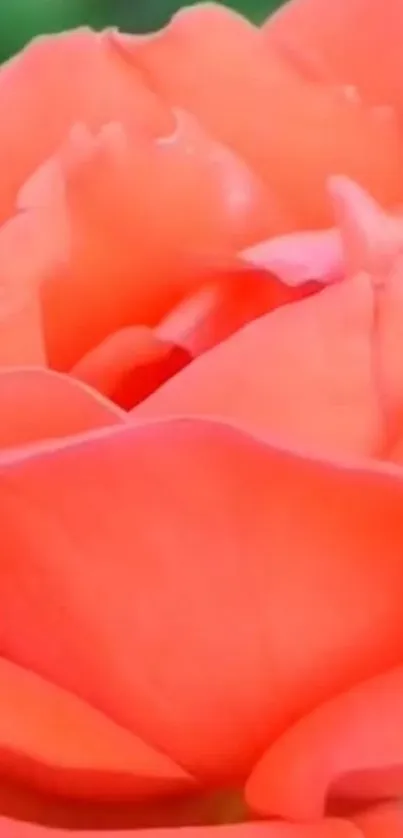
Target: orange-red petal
326,829
32,247
382,822
130,364
350,749
302,373
58,81
288,123
39,404
326,34
50,739
239,293
141,564
145,219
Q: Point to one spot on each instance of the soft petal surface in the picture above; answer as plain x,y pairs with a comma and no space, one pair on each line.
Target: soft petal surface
32,247
327,829
373,246
303,373
383,822
240,293
300,257
130,364
348,749
145,218
58,81
39,404
213,63
203,557
54,741
326,33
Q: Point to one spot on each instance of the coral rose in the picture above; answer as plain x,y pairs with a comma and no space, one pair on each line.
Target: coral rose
201,486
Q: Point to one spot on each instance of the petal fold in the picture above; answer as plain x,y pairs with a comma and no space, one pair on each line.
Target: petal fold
350,750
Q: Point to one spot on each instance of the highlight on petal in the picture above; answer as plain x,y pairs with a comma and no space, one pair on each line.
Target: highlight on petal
316,30
32,248
327,829
294,130
373,244
372,239
204,557
382,822
146,217
58,81
300,257
39,404
350,749
302,373
52,740
130,364
235,295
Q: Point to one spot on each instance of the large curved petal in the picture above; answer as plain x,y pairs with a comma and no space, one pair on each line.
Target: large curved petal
277,112
327,829
350,749
50,739
60,80
146,217
145,564
302,373
39,404
326,34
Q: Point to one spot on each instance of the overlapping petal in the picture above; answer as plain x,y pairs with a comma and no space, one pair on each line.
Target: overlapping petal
209,56
352,42
53,741
147,220
130,364
348,749
38,404
33,246
303,373
201,608
56,82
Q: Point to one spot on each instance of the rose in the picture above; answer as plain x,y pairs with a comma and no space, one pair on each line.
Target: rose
203,591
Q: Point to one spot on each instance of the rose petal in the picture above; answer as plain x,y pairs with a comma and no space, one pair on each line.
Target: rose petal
32,247
373,243
54,741
130,364
348,749
300,257
291,127
302,373
327,829
238,295
316,30
138,210
125,581
58,81
382,822
40,404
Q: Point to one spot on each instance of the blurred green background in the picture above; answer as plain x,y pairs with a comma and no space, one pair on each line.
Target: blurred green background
20,20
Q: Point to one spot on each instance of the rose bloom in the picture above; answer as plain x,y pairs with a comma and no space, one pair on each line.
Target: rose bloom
201,485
